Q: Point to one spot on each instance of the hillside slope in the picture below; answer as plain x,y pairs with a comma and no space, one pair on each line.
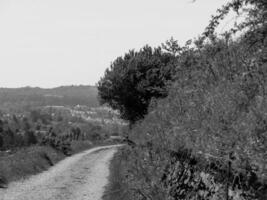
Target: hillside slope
60,96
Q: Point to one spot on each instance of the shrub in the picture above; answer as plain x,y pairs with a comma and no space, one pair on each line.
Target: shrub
30,138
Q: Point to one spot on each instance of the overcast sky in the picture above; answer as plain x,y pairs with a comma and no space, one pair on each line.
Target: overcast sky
49,43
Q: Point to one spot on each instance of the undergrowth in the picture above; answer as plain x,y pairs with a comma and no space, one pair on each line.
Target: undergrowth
215,114
117,188
34,159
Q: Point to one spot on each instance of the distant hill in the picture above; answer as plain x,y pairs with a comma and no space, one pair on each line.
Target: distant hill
59,96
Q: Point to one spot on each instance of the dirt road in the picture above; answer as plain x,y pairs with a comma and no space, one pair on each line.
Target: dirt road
79,177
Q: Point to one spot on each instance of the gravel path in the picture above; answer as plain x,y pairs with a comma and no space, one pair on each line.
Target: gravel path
79,177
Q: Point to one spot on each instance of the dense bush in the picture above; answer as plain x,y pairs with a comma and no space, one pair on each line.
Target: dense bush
215,113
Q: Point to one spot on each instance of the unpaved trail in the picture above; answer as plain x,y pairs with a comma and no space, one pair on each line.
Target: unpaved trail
79,177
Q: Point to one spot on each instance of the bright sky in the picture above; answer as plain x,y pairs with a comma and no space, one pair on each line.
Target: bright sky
49,43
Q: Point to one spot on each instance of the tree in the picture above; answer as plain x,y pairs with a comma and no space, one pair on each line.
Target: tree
254,25
1,141
133,80
30,138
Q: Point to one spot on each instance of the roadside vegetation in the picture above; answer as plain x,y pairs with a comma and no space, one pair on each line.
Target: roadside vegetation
36,137
117,186
197,113
27,161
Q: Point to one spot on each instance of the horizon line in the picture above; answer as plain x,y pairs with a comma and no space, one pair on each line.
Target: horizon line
40,87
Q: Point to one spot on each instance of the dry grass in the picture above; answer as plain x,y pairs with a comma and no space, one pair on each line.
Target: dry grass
78,146
116,190
32,160
28,161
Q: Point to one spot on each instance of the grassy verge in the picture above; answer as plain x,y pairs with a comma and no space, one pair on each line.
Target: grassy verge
27,161
33,160
116,189
79,146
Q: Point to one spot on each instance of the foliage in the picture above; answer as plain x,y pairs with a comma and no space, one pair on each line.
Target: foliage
134,79
253,10
215,111
40,126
